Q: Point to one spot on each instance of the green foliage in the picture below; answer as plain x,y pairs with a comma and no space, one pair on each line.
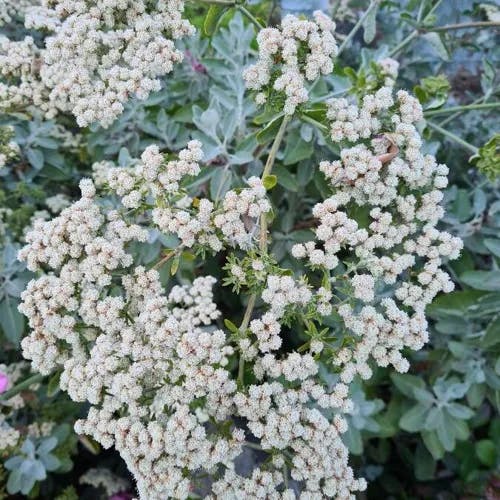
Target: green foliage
31,465
407,431
487,159
433,91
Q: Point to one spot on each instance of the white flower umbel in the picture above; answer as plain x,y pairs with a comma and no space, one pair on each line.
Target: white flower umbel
153,366
102,53
299,51
382,170
10,10
20,84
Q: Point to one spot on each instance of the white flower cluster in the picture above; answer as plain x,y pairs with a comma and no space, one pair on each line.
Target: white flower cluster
57,203
299,50
400,249
98,55
103,52
282,292
9,149
144,360
158,181
12,9
238,209
20,84
285,412
389,68
9,436
152,365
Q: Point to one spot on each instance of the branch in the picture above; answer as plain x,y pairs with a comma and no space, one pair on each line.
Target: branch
446,27
460,26
467,107
250,16
164,259
357,26
453,137
262,238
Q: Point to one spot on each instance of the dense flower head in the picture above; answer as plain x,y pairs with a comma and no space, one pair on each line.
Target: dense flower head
102,53
382,168
153,365
299,51
96,56
20,83
10,10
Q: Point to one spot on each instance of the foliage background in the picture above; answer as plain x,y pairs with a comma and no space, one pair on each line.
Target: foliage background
432,433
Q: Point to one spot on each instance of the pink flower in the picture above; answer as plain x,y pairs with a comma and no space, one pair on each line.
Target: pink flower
4,382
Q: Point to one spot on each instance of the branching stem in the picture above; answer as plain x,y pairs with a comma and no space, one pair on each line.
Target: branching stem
467,107
250,16
262,238
453,137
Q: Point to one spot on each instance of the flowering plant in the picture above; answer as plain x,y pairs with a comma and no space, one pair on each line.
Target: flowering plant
183,378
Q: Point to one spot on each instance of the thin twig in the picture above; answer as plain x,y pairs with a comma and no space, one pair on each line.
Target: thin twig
467,107
357,26
250,16
262,238
446,27
162,261
460,26
453,137
481,99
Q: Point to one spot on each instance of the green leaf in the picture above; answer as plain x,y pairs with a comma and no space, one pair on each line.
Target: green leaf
462,207
413,420
14,482
11,320
220,183
270,181
297,149
455,303
175,264
53,385
482,280
405,383
425,465
230,326
317,114
36,158
444,429
266,116
286,179
268,133
460,411
486,452
212,19
486,160
437,43
475,395
370,26
493,245
491,335
432,443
